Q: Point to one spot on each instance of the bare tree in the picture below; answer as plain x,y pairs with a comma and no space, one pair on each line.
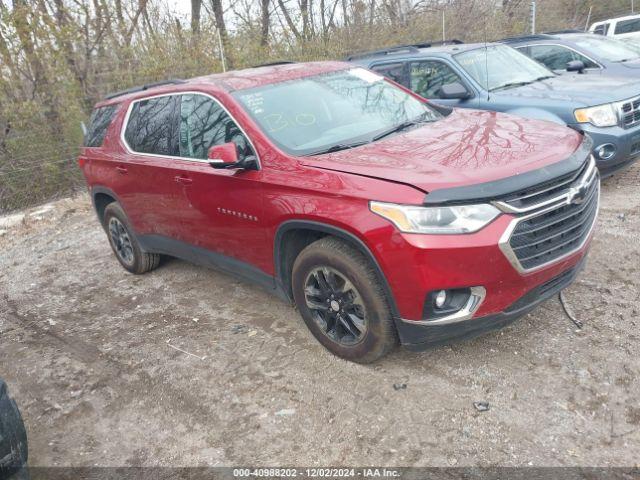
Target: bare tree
265,21
287,17
218,14
196,7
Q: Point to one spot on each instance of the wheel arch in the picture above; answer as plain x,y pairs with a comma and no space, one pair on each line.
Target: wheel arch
101,197
293,236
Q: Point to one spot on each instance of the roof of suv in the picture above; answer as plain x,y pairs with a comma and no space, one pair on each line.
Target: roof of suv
559,35
417,50
232,80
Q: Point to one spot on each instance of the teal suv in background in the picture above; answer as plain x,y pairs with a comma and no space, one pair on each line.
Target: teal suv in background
497,77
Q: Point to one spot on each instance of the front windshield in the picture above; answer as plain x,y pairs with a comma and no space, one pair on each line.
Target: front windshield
499,66
607,48
336,110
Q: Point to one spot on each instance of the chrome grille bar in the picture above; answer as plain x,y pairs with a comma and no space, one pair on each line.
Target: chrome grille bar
546,232
629,111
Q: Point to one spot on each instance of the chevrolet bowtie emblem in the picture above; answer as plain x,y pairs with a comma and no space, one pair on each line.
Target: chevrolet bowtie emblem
577,195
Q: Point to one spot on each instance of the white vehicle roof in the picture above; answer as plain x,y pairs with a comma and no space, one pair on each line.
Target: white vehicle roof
616,19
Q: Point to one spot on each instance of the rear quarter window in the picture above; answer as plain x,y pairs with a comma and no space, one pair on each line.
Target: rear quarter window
628,26
98,123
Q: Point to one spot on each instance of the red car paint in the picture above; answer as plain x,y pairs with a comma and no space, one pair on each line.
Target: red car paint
237,213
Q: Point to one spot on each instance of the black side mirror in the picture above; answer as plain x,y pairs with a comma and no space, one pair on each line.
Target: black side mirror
453,90
576,66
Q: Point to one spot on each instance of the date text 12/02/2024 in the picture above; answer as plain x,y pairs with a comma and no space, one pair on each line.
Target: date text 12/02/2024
316,472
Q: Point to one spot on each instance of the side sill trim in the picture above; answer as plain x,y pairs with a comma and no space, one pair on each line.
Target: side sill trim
201,256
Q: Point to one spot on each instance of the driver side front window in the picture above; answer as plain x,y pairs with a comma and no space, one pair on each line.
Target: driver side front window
204,124
556,57
428,77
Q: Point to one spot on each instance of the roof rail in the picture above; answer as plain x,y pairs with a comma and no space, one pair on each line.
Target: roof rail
453,41
273,64
411,48
568,30
146,86
537,36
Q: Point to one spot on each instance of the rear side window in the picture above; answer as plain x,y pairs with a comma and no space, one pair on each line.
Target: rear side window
601,29
151,126
628,26
98,123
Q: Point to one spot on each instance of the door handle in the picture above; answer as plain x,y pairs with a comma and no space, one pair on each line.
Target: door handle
183,180
121,170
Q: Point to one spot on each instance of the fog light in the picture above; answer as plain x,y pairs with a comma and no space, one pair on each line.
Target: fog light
606,151
452,304
441,298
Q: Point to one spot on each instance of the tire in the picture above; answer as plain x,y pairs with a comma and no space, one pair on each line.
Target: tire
124,243
356,324
13,437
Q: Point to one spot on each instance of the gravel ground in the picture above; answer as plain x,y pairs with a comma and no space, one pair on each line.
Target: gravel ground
187,366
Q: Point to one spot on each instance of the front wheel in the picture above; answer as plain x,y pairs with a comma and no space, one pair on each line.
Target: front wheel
342,301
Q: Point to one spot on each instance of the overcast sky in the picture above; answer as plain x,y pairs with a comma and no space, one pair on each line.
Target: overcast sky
181,7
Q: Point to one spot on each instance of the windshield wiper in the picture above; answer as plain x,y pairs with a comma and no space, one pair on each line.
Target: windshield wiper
337,147
510,85
402,126
628,59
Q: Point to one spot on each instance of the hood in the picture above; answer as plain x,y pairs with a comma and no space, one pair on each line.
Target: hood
634,64
588,90
465,148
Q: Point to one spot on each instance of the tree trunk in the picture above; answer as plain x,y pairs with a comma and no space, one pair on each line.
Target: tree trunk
134,22
264,34
41,82
218,15
287,17
196,6
304,11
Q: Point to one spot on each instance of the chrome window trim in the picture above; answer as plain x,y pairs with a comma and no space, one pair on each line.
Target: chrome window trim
600,66
505,246
175,94
476,298
586,176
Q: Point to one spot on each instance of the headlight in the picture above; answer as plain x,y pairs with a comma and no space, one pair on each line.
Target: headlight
436,220
600,116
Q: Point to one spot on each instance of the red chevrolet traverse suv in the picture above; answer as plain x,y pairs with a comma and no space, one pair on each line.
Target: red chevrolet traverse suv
383,217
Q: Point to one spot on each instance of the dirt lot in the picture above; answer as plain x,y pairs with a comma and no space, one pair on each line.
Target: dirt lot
88,352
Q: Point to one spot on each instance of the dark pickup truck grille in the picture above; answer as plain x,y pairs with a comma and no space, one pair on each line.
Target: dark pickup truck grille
559,226
630,111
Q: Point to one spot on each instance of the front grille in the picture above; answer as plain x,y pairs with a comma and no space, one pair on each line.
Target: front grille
532,197
557,229
630,112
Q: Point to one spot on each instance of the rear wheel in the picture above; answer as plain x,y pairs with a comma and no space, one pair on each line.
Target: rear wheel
342,301
124,243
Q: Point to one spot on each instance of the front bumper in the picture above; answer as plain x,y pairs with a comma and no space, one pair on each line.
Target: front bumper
419,336
625,140
500,284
